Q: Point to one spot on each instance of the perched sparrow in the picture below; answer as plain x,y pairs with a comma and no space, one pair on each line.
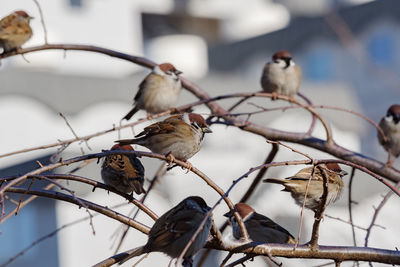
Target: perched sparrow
15,30
159,91
296,184
180,135
391,127
259,227
172,231
124,173
281,76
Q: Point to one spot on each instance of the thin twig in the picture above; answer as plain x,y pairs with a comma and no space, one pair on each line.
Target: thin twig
72,130
51,234
304,206
344,221
375,216
320,211
162,170
72,193
42,21
350,203
96,184
93,206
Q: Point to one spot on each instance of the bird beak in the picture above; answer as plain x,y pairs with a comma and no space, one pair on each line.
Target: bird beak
31,17
343,173
206,130
228,214
287,61
177,72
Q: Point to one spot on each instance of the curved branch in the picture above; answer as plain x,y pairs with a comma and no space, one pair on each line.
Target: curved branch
77,201
95,184
114,152
337,253
272,134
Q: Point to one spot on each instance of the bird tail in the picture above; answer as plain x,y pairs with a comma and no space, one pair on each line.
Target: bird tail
132,253
126,141
274,181
131,113
277,181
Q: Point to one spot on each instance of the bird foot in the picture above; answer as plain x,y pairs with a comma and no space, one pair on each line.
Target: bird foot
274,96
389,164
170,158
174,111
189,166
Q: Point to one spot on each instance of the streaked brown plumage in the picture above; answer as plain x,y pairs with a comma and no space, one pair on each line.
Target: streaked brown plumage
259,227
173,230
297,183
391,127
180,135
123,172
281,76
158,92
15,30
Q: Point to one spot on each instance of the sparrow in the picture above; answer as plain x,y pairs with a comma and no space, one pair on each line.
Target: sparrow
159,91
281,76
123,172
15,30
179,136
297,183
174,229
259,227
391,127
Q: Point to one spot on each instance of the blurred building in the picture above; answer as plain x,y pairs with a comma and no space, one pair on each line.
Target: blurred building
347,52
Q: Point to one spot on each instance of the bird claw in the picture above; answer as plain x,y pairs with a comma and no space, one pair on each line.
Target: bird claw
274,96
174,111
170,158
189,166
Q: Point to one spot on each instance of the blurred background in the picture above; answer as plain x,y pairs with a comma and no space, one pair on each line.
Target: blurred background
347,50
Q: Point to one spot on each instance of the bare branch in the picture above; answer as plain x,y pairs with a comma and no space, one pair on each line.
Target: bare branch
375,216
350,203
336,253
42,21
162,170
51,234
319,213
103,210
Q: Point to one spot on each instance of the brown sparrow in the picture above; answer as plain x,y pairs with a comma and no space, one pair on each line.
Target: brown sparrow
281,76
180,136
123,172
297,183
159,91
259,227
172,231
391,127
15,30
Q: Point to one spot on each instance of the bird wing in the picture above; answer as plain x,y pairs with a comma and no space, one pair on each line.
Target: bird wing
162,127
266,83
116,163
6,27
304,174
139,93
175,225
264,221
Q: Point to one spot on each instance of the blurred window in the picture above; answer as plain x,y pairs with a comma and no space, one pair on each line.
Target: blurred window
75,3
381,48
319,64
